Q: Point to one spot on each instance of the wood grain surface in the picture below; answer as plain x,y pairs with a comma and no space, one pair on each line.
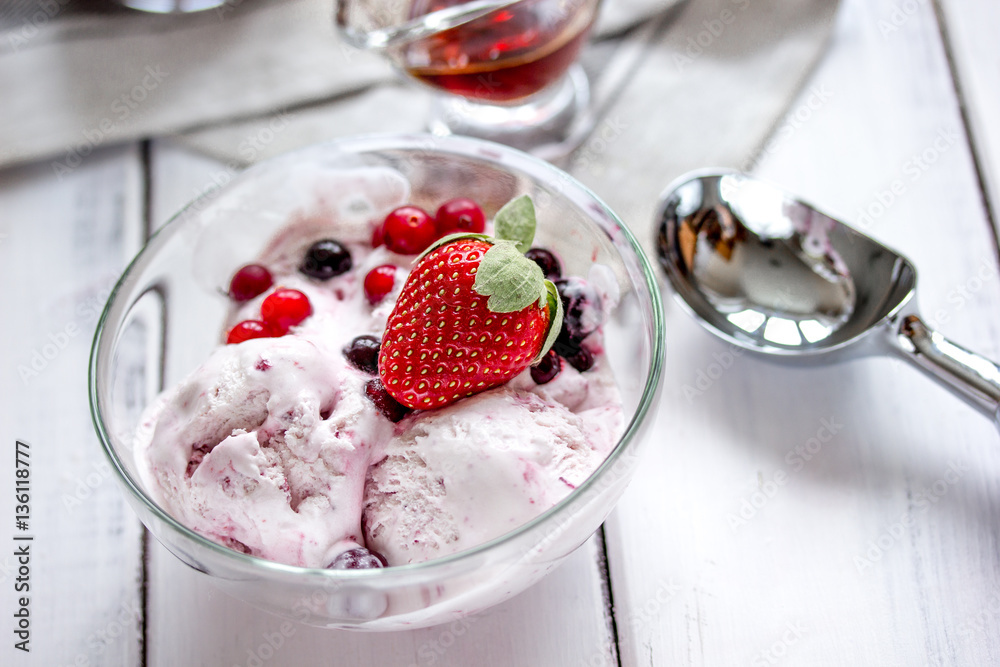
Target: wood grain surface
784,515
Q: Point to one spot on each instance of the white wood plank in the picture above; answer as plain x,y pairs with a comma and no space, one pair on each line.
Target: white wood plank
561,621
706,93
970,27
880,548
63,242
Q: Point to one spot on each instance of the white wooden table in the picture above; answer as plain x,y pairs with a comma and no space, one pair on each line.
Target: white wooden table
845,515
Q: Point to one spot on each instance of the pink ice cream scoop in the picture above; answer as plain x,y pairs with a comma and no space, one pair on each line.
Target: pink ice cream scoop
278,446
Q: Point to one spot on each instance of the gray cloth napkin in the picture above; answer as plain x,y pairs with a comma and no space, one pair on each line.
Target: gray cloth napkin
73,78
677,85
76,80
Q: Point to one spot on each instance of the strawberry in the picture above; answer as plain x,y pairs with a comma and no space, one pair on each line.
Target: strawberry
473,313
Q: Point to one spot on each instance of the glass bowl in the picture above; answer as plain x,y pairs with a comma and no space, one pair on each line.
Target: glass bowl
165,314
501,70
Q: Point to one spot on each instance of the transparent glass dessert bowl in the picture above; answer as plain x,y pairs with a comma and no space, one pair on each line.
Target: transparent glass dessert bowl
165,314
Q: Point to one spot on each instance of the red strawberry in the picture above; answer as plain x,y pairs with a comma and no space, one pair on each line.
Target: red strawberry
474,313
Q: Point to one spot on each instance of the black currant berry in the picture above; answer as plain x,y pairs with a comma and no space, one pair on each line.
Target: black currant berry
547,369
386,404
363,353
326,259
546,261
358,558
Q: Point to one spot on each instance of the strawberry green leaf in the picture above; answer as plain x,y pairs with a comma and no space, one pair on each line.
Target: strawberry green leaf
515,221
555,318
510,280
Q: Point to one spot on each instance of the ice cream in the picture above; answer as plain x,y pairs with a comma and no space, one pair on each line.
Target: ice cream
282,446
467,473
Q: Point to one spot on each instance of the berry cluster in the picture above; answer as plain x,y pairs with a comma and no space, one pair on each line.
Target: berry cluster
284,308
281,310
581,318
362,353
409,230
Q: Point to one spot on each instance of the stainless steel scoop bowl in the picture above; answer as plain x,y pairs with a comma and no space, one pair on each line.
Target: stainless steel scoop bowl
771,274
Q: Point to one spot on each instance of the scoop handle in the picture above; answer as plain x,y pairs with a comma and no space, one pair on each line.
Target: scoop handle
968,375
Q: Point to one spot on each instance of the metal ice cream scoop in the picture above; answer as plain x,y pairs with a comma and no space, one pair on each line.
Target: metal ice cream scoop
771,274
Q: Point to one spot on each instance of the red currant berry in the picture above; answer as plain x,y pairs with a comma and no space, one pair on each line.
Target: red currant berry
379,282
248,329
250,281
408,230
460,215
284,308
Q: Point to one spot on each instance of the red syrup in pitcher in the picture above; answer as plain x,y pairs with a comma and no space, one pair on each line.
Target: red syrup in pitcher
504,56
